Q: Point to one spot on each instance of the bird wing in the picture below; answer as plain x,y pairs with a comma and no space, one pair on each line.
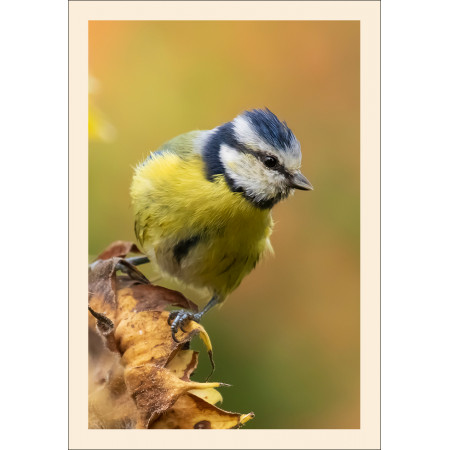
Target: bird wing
184,146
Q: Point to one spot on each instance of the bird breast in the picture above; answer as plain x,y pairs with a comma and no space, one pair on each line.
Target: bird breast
199,231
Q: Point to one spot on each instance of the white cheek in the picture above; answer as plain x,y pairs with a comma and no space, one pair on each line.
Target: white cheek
249,174
229,156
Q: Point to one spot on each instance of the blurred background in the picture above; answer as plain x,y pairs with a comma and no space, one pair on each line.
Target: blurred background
288,338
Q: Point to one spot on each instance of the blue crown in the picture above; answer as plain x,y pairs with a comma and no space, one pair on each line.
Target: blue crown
270,128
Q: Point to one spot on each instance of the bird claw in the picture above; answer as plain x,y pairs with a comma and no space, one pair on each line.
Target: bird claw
179,319
126,267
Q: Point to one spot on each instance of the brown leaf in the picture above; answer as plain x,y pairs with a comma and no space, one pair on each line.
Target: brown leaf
155,389
118,249
152,380
102,282
110,405
105,327
183,364
192,412
154,298
210,395
145,337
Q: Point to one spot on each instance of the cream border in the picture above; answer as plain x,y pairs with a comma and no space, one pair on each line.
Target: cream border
368,12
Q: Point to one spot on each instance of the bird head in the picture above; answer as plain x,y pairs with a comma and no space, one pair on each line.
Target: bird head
258,155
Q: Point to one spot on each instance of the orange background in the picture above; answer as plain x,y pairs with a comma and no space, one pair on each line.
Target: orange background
288,338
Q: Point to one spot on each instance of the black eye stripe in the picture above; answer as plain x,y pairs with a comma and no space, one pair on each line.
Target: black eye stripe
278,167
259,155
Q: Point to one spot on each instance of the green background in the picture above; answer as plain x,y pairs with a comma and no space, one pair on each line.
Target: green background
288,338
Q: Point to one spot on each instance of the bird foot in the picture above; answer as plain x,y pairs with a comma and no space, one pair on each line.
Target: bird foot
179,319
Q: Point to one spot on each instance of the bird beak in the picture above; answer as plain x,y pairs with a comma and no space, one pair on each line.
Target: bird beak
299,181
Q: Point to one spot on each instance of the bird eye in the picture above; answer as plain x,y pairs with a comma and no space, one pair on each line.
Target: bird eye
270,161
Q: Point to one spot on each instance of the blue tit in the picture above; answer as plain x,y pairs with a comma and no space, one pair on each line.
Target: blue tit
203,201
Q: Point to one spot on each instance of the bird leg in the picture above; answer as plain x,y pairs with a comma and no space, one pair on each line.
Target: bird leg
127,266
138,260
179,318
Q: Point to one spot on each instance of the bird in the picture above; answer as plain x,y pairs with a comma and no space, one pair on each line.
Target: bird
203,202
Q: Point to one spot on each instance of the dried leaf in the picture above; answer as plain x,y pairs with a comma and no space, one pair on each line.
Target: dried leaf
210,395
191,411
118,249
150,387
155,389
144,297
102,283
183,364
110,404
105,327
